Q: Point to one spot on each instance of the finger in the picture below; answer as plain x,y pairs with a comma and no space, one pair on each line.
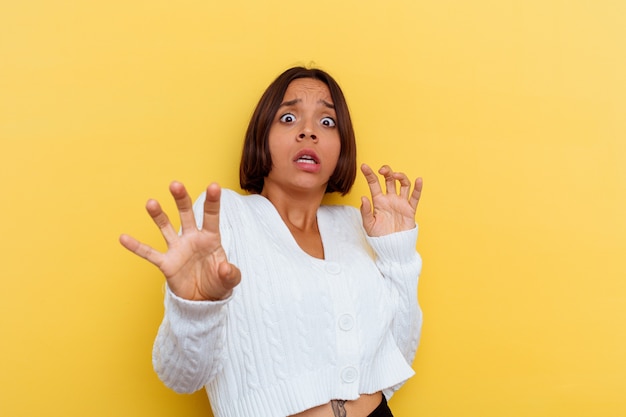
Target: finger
211,220
390,181
372,180
405,184
184,206
416,194
161,220
229,277
366,213
141,249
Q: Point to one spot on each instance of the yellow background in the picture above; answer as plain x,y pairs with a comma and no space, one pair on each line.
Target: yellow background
514,112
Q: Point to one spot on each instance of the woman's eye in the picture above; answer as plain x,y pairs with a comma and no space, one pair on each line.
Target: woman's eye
287,118
328,122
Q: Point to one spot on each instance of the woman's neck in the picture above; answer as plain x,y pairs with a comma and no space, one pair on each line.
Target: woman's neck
299,213
298,210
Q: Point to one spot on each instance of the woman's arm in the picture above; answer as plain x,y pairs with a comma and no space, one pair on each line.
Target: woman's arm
389,221
401,265
189,348
189,345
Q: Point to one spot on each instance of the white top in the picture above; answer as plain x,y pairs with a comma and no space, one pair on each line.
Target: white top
297,331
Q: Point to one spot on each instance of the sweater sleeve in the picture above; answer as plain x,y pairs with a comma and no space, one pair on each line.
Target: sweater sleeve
400,263
189,346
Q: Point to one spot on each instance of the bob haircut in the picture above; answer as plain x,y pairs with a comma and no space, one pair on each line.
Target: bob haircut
256,161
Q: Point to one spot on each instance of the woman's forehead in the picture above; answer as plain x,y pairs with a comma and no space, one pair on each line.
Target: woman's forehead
304,87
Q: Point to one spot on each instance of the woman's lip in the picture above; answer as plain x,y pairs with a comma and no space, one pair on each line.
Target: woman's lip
307,166
311,164
308,152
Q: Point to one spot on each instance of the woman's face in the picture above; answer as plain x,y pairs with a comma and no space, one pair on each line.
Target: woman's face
304,140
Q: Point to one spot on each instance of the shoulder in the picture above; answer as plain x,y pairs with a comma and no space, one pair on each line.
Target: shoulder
342,214
227,197
231,202
340,210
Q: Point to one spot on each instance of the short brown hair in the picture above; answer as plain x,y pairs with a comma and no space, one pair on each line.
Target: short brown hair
256,161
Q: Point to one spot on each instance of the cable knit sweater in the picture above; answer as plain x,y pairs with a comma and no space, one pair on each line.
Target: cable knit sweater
297,331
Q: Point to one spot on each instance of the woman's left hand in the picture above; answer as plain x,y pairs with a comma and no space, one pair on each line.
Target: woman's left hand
394,210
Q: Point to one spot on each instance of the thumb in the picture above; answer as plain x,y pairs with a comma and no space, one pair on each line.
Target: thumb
366,213
229,275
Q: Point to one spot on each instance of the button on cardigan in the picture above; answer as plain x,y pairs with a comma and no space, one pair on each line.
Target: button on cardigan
297,331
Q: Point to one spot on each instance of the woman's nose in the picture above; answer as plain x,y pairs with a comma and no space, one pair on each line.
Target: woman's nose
307,131
303,135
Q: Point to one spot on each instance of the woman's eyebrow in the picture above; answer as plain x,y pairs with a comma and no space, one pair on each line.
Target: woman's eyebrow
327,104
290,102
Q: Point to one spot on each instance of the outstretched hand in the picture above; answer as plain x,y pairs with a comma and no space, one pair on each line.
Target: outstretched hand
195,264
393,210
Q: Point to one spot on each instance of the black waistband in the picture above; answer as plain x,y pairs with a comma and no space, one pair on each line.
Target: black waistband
382,410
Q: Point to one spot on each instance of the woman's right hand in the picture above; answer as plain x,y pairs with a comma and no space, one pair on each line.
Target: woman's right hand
195,264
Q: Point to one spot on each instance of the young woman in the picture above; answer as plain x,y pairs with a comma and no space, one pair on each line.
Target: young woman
277,304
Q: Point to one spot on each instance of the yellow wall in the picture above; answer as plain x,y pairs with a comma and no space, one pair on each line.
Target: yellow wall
514,112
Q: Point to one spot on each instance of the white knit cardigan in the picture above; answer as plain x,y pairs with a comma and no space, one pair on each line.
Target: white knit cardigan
298,331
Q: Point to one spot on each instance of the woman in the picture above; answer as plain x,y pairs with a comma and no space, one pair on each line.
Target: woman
280,305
